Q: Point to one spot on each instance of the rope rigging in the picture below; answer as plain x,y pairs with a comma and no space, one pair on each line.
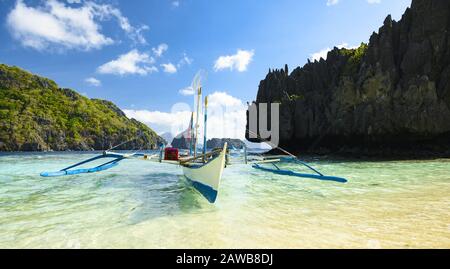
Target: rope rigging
141,133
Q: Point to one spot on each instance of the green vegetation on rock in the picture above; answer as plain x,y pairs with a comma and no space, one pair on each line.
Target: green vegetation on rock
294,97
36,115
355,58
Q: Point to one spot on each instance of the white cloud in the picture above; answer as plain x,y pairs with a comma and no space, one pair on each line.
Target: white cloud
93,82
187,91
158,117
226,117
239,61
173,122
176,4
160,49
66,27
74,1
132,62
169,68
332,2
136,34
223,99
373,1
324,52
55,24
106,12
184,61
318,55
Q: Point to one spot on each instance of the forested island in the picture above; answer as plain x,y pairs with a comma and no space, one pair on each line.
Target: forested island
37,115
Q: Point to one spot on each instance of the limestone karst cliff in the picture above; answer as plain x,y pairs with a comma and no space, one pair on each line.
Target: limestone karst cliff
390,95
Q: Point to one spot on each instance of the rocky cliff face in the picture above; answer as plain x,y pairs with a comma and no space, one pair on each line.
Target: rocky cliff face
180,142
388,96
220,142
37,115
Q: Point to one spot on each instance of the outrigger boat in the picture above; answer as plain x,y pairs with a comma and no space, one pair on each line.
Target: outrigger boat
204,170
205,176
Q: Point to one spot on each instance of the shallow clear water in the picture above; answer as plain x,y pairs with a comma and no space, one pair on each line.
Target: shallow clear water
404,204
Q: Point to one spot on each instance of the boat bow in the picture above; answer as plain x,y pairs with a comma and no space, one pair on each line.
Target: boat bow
206,177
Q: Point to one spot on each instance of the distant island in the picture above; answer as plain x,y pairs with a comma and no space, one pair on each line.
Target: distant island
388,97
167,136
182,143
220,142
37,115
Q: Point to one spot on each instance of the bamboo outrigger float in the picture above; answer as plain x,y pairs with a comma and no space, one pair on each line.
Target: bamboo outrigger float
274,161
116,158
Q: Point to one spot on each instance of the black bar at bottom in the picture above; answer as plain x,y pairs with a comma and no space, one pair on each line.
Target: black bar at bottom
223,258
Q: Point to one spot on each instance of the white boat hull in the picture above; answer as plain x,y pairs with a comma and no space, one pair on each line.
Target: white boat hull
206,178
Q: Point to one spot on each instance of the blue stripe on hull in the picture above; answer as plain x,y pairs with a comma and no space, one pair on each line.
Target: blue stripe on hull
209,193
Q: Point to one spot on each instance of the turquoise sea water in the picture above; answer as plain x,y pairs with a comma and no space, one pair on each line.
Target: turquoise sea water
399,204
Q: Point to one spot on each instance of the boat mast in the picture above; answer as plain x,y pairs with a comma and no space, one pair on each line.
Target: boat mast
199,102
191,134
205,128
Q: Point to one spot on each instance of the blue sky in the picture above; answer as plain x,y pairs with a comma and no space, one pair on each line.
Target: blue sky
163,43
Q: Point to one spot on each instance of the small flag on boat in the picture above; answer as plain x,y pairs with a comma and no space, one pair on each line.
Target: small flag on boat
187,134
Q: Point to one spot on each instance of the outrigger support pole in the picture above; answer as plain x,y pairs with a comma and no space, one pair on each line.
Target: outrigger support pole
70,171
205,128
